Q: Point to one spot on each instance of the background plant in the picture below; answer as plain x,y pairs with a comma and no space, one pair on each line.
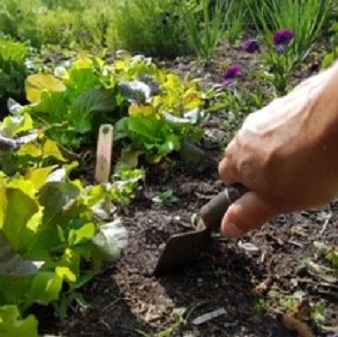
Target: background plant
235,18
13,69
304,19
153,27
80,24
205,28
55,232
154,110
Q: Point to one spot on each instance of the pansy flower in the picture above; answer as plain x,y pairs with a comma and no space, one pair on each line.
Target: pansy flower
281,40
251,46
231,73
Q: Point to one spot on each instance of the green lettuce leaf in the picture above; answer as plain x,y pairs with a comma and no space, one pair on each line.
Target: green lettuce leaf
13,325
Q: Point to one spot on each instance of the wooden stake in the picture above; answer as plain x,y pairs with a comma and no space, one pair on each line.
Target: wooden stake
104,151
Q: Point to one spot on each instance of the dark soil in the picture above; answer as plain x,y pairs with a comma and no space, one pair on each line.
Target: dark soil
126,300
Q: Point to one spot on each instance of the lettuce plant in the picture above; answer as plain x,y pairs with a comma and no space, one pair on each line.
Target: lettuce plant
153,110
51,224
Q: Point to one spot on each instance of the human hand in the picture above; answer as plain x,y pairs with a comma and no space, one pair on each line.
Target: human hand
286,154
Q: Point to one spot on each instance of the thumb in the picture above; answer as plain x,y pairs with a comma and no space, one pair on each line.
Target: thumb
247,213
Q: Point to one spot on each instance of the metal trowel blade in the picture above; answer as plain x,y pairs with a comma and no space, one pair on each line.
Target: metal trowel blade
180,250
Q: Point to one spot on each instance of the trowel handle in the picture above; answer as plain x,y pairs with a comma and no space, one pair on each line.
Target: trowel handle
212,212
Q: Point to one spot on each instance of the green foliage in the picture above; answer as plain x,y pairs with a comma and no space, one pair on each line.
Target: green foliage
153,27
51,224
329,253
80,24
13,70
236,13
153,110
304,18
12,325
332,56
167,197
205,29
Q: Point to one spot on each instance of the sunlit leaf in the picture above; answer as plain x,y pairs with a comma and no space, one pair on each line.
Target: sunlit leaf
37,83
13,325
328,60
82,234
45,287
30,149
71,260
66,273
135,91
12,125
16,210
38,176
142,110
51,149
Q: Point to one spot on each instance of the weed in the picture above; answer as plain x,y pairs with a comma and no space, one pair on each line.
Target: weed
329,253
260,306
167,197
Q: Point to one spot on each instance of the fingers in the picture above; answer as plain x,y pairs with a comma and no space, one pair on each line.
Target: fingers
247,213
226,172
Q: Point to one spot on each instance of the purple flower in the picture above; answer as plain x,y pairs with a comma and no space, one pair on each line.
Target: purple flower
250,46
283,37
232,72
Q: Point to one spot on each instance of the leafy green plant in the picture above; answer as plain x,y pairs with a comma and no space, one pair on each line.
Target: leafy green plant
330,57
154,111
205,30
51,224
329,253
260,306
153,27
58,224
303,18
166,197
13,70
235,16
79,24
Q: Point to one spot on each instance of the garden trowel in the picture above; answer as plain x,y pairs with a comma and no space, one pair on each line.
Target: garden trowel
184,247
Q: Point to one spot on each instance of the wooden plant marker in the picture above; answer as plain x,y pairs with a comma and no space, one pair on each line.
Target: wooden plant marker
104,151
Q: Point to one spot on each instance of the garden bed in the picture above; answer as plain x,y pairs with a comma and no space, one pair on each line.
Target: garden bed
126,300
175,84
